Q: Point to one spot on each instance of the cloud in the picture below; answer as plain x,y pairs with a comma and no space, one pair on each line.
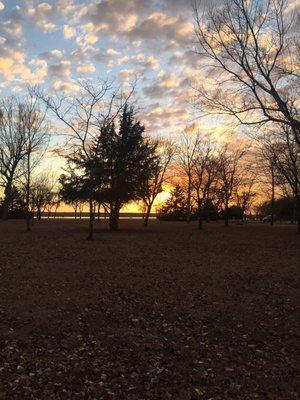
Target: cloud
134,38
158,27
86,68
60,70
162,116
52,54
65,86
112,52
68,32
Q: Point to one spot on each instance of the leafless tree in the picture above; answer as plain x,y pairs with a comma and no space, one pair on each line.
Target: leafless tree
165,153
246,195
53,204
282,149
253,56
37,135
41,194
187,158
204,175
12,146
230,176
95,105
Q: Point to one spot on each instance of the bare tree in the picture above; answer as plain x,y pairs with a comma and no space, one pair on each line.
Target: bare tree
12,146
246,194
282,149
41,195
187,158
165,150
230,177
53,204
36,129
93,107
204,175
253,57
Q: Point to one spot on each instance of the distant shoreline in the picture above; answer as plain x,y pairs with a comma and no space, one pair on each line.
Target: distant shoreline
85,215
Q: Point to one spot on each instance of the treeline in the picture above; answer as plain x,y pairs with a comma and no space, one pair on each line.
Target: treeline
111,162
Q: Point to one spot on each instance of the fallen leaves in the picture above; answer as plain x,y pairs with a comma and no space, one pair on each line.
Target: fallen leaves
167,313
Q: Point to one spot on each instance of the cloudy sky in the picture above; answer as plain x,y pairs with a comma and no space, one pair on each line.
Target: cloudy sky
54,43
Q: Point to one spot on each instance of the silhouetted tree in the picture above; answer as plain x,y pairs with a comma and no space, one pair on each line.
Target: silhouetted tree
282,150
204,175
165,151
36,130
41,195
187,156
175,206
72,190
12,147
126,161
96,105
229,176
17,206
283,208
253,58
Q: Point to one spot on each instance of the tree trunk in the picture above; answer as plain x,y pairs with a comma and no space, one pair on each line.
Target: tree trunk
200,220
98,213
38,214
75,213
188,211
272,195
298,214
114,217
148,211
7,200
28,225
226,214
91,219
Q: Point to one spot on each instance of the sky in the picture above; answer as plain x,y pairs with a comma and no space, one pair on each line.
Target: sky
54,43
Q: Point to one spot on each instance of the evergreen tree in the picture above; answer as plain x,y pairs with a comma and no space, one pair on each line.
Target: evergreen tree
175,206
126,161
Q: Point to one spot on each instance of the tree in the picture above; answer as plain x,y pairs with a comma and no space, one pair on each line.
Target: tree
281,147
24,132
246,196
253,56
175,206
204,175
229,176
283,208
12,147
154,186
36,130
94,107
126,160
71,190
188,149
17,207
41,195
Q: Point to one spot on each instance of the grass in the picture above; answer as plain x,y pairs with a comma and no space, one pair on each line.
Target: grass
166,312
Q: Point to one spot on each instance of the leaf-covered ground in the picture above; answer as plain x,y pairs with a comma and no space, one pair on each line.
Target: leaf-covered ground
166,312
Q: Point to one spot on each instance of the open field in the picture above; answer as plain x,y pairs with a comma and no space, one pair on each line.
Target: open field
160,313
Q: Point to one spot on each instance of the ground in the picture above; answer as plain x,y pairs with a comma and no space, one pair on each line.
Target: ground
166,312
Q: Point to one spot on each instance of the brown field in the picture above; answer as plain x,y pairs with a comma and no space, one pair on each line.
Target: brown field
166,312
